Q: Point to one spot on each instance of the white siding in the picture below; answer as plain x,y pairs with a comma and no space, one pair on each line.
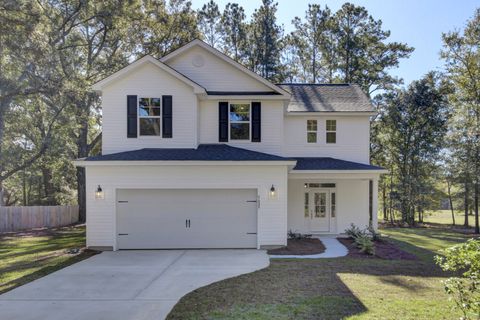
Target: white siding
353,138
147,81
215,74
272,126
352,204
272,214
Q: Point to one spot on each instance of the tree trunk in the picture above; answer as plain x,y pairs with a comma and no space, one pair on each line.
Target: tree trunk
384,197
48,187
449,187
3,108
477,228
465,223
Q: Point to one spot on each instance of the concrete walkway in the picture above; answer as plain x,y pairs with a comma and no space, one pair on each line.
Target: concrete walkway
124,285
333,249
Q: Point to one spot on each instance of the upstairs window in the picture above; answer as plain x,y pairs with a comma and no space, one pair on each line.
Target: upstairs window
239,116
149,116
311,131
331,127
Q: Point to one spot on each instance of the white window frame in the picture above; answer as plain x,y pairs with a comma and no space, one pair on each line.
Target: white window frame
327,131
313,131
249,122
149,117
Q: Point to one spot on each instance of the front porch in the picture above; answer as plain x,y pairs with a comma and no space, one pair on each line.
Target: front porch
328,201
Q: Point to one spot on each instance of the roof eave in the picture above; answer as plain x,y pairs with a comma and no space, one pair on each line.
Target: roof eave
85,163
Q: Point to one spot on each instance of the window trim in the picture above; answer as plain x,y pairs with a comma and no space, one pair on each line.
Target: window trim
149,117
313,131
249,122
327,131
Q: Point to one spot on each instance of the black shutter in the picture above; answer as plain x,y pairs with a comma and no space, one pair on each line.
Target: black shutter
131,116
167,129
223,121
256,121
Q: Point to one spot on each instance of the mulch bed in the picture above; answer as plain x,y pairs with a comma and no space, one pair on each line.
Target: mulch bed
300,247
383,250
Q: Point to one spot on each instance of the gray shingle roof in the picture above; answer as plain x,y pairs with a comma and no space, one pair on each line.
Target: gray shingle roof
331,164
327,98
204,152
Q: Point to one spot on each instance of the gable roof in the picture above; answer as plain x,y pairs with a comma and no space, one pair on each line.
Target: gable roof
148,59
327,98
204,152
227,59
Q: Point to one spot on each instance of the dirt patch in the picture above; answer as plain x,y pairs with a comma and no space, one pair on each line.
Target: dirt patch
383,250
300,247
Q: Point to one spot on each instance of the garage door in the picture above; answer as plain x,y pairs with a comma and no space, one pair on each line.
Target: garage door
197,218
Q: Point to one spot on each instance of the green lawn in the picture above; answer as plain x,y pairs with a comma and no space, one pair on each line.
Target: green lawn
445,217
26,256
342,288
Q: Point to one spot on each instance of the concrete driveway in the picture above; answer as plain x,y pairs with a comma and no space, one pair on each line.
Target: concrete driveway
140,285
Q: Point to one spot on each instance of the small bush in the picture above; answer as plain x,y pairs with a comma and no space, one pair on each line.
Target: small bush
365,244
297,236
354,232
375,235
464,290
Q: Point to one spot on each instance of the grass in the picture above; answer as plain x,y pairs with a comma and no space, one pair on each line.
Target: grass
444,217
26,256
342,288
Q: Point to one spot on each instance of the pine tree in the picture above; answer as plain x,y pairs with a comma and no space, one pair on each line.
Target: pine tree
209,23
267,42
234,31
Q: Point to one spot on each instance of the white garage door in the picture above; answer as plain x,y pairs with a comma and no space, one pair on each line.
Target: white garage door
197,218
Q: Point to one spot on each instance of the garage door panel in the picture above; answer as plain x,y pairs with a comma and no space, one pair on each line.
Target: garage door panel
205,218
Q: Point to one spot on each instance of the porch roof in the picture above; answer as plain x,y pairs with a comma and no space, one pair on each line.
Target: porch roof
326,163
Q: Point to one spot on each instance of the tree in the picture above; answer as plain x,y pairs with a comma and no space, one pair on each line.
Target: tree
312,38
415,124
364,56
209,23
462,56
235,31
265,40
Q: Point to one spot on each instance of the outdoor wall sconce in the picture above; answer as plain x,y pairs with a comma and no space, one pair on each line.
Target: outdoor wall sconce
99,194
273,193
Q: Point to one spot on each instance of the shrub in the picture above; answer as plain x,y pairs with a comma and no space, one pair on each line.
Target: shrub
297,236
375,235
365,244
464,290
354,232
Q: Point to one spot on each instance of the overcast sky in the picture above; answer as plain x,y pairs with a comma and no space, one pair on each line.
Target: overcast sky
419,23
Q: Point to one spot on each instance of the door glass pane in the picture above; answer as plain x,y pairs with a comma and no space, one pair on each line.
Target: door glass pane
333,199
320,200
306,206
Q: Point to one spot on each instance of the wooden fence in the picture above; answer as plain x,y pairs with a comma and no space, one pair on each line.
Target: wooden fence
20,218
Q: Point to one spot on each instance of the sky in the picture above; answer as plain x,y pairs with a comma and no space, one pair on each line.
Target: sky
418,23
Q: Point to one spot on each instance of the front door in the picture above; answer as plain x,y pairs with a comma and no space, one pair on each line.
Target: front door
319,210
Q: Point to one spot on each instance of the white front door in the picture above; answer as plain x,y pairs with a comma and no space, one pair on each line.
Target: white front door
319,210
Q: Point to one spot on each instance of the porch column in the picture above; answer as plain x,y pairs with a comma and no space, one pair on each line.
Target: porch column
375,203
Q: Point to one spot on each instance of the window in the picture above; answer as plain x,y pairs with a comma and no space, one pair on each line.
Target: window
305,206
331,131
149,116
239,121
311,131
319,185
333,203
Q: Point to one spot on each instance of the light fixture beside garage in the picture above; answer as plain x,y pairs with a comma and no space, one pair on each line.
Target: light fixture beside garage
273,193
99,194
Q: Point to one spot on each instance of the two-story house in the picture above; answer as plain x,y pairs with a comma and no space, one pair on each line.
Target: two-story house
200,152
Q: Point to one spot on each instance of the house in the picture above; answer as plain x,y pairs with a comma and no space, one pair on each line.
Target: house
200,152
